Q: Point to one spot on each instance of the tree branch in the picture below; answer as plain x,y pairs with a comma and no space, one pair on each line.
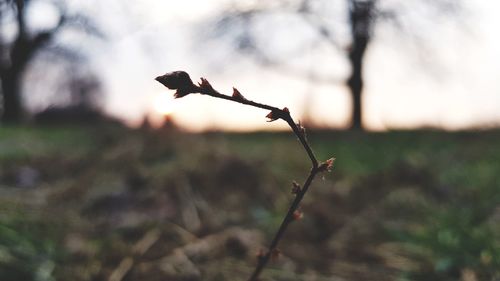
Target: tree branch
21,23
181,82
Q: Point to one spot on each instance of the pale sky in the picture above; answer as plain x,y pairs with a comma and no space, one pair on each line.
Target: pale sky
403,88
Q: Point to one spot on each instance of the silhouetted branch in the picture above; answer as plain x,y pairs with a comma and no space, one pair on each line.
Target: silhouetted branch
182,83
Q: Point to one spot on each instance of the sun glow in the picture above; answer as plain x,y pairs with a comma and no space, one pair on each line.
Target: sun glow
164,104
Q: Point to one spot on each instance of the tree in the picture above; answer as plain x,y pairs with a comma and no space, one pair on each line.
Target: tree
362,16
360,19
17,53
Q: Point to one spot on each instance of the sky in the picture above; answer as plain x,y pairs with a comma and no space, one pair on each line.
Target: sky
448,82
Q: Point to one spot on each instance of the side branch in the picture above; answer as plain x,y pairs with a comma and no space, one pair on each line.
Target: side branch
182,83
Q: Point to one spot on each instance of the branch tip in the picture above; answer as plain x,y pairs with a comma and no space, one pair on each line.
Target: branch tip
182,83
179,81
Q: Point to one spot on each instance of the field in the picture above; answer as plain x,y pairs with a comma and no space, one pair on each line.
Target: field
107,203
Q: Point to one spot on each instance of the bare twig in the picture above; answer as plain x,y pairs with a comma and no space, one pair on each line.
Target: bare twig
182,83
139,249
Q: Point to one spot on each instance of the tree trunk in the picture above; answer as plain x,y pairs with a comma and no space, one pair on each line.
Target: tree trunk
21,52
360,19
11,102
355,81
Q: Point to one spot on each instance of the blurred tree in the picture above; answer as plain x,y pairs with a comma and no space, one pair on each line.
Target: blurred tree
360,19
74,100
362,16
20,42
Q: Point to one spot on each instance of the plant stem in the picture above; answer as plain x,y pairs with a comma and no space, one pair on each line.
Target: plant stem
285,115
284,224
206,89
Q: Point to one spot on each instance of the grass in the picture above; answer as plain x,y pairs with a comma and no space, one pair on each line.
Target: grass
409,205
20,143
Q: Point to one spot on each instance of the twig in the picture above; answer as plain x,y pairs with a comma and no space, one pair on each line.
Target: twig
139,249
182,83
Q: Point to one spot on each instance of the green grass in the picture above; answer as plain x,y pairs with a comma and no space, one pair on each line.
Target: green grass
408,205
18,143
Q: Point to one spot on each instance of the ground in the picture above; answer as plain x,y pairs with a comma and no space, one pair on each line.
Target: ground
108,203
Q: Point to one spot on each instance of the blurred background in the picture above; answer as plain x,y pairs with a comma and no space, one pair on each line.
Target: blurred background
105,176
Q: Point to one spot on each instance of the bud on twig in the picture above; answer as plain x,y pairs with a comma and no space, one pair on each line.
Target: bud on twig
182,83
298,215
327,165
237,95
301,129
205,85
178,80
295,187
261,254
272,116
275,254
278,114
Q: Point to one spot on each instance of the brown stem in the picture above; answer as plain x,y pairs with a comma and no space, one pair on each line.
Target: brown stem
284,224
285,115
216,94
206,89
